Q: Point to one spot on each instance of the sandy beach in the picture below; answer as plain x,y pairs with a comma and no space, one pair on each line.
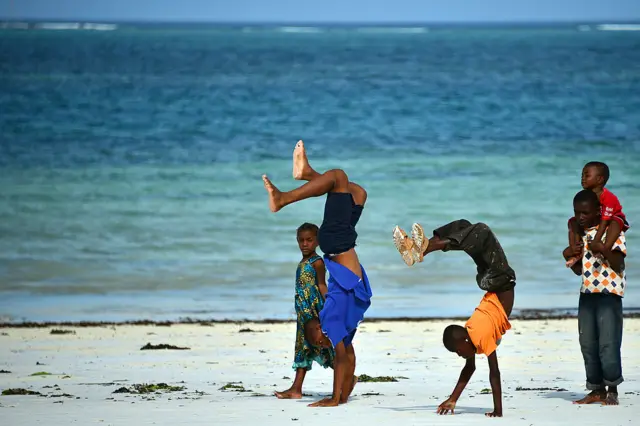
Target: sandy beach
540,361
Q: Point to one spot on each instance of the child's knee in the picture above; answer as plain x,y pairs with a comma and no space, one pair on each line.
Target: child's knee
341,180
358,192
482,227
613,230
463,223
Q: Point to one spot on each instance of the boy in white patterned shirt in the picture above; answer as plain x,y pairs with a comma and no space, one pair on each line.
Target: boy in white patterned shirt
600,306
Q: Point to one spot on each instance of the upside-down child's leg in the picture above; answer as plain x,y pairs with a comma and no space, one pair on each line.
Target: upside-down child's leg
302,170
358,193
331,181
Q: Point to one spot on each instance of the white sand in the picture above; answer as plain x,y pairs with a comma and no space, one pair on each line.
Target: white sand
534,354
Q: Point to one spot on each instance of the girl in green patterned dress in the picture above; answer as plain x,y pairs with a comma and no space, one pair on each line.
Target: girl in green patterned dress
309,300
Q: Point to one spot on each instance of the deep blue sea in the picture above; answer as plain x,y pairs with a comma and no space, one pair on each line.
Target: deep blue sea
130,161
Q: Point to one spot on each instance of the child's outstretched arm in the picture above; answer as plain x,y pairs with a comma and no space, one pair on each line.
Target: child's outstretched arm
340,364
321,277
465,376
496,385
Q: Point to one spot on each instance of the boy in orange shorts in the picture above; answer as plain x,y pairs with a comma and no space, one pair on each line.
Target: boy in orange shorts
484,330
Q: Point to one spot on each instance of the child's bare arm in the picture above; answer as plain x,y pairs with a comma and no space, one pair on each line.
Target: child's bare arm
575,232
496,385
340,364
465,375
604,224
321,275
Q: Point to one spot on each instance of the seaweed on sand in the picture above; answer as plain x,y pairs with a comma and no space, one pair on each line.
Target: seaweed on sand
145,388
19,391
161,346
364,378
234,387
61,331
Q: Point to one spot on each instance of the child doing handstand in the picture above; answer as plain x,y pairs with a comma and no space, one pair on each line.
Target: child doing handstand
490,321
349,293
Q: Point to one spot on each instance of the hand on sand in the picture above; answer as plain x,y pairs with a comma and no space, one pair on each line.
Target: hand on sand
445,407
327,402
494,413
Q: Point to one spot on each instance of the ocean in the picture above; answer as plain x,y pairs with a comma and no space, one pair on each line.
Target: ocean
130,161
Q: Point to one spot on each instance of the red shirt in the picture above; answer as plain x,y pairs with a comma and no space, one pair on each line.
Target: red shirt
610,206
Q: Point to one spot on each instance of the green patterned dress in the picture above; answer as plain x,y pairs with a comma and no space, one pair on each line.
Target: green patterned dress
309,303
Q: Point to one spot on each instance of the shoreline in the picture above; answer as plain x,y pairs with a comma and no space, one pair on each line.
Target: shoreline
524,315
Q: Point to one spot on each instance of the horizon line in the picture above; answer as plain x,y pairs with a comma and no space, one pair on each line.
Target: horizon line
328,23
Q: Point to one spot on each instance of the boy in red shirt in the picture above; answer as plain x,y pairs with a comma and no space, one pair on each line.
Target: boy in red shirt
595,175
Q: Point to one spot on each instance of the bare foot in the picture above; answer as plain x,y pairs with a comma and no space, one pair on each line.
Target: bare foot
611,399
289,394
591,398
301,167
275,196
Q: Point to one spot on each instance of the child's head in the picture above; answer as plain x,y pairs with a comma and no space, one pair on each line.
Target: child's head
456,339
314,335
307,237
586,208
594,174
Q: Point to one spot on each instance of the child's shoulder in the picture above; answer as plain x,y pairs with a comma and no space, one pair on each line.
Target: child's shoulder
608,197
312,260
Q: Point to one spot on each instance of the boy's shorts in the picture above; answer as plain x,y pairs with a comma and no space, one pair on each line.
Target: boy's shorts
337,234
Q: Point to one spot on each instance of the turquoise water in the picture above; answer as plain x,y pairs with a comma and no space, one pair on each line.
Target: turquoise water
131,160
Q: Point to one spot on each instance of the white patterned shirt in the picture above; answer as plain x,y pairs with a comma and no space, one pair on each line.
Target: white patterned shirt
597,275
